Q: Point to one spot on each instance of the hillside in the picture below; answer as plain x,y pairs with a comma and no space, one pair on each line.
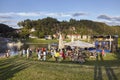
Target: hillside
49,26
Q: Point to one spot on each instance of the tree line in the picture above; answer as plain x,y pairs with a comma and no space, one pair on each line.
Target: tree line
6,31
50,26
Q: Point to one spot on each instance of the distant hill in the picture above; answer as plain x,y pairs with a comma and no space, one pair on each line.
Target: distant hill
49,26
5,30
99,28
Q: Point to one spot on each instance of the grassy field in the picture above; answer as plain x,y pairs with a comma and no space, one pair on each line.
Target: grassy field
20,68
41,41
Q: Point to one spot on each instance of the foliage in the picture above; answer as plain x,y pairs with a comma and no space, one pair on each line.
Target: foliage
24,33
40,41
6,31
50,26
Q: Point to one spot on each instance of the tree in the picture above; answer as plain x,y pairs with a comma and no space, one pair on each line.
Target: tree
24,33
50,26
6,31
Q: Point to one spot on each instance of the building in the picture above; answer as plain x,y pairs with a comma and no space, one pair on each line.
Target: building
31,35
48,37
108,42
78,36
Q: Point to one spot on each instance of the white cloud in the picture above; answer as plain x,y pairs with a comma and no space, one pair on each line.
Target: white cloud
32,14
28,14
109,18
5,17
6,21
112,23
77,14
11,18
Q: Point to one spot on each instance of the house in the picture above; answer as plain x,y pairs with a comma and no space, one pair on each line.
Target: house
48,37
31,35
78,36
17,30
75,36
32,30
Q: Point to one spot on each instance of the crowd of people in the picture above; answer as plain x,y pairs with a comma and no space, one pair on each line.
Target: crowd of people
57,54
74,55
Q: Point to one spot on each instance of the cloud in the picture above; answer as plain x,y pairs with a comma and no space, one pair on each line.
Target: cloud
104,17
37,14
15,17
112,23
117,18
11,23
109,18
78,14
10,14
27,14
5,17
5,21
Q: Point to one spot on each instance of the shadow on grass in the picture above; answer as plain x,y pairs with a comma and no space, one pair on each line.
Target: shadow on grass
110,74
109,71
103,68
97,73
8,68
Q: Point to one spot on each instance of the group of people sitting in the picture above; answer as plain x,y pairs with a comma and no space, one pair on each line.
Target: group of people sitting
72,55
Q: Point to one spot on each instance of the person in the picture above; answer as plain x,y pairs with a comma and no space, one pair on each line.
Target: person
23,52
63,54
81,58
8,53
28,53
57,55
44,55
39,54
103,52
52,53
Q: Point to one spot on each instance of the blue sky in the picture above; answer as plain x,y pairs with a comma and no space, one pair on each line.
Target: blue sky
13,11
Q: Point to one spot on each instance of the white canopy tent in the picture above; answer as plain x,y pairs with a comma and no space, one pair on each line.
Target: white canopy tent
80,44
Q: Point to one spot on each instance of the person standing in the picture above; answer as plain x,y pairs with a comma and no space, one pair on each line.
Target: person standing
57,55
44,55
39,54
103,52
8,53
28,53
52,53
23,52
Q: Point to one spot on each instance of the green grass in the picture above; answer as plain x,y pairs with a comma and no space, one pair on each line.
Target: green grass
119,42
40,41
20,68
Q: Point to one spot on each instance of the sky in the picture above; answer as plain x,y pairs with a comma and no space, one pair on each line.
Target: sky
14,11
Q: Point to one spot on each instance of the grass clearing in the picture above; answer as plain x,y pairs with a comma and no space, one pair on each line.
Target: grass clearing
41,41
20,68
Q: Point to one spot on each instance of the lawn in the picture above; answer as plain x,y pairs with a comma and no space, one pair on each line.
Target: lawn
40,41
20,68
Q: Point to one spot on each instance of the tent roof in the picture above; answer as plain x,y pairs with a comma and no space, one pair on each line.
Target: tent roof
80,44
